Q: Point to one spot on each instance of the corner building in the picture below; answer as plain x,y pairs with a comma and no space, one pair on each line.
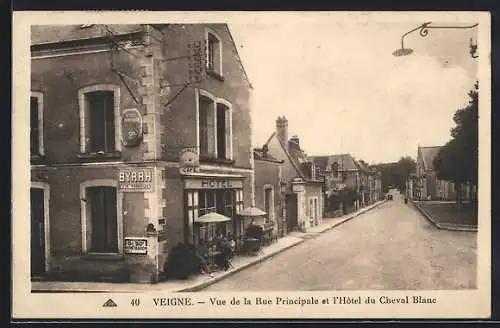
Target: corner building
113,125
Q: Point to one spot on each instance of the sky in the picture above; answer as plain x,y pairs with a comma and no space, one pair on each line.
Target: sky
343,91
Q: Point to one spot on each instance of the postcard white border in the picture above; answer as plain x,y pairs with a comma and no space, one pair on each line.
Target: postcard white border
452,304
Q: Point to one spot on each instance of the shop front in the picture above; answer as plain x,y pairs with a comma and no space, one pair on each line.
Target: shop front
212,193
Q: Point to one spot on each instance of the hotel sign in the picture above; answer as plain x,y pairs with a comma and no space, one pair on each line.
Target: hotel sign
135,245
137,179
213,183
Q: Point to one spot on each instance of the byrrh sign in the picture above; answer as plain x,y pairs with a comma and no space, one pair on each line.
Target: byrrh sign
137,179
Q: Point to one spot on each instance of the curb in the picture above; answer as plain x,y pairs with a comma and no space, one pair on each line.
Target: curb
205,284
227,274
355,215
449,227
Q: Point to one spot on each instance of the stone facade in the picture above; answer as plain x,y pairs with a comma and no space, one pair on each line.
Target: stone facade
142,68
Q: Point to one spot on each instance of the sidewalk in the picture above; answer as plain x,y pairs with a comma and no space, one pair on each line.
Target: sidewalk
420,206
201,281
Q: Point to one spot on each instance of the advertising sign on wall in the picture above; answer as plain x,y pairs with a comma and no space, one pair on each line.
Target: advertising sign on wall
135,245
131,127
136,179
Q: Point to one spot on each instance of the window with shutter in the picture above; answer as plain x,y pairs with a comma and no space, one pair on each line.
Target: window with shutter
34,130
104,232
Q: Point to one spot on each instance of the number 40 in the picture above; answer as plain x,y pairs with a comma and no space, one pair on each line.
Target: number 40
135,302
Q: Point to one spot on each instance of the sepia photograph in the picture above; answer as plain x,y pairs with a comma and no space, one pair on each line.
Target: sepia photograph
264,164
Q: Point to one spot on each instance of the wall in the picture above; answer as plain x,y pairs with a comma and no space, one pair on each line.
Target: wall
235,89
59,81
314,190
268,173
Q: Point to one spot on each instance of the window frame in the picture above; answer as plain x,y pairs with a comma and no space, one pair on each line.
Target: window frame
86,216
84,112
229,108
46,219
41,149
270,216
209,32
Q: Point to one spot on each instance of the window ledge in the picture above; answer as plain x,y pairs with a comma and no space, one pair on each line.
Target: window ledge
38,158
110,155
215,75
103,256
211,159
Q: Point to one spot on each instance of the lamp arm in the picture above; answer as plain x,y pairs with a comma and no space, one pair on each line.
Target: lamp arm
423,29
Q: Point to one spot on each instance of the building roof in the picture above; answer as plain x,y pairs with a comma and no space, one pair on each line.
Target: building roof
57,33
344,161
262,155
428,154
295,154
362,165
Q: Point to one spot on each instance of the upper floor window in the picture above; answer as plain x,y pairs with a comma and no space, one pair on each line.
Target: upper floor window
99,119
214,53
36,124
214,127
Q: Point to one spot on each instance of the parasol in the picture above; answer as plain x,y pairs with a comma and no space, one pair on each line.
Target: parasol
212,217
252,211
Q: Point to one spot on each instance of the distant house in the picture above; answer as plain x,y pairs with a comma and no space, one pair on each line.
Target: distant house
338,172
268,196
303,188
427,185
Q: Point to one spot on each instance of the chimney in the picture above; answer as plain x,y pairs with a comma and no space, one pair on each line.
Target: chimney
295,139
282,128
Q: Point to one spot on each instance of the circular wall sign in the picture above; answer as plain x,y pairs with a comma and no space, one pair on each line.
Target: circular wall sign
131,127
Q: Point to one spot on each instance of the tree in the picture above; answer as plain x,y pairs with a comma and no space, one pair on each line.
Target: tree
405,166
457,160
396,174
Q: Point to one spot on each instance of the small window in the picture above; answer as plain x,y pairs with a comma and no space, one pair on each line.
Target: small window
214,54
101,202
101,119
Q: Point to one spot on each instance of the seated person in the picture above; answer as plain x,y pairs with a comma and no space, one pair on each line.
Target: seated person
222,258
202,254
231,242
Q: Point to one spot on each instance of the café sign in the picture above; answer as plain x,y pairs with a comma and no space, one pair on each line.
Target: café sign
131,127
189,161
137,179
135,245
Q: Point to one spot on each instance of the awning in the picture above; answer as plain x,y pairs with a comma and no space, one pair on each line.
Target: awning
212,218
252,211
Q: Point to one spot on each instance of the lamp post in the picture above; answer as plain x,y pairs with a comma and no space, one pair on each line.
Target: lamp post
424,31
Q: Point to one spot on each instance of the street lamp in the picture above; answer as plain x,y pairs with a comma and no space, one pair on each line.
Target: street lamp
424,30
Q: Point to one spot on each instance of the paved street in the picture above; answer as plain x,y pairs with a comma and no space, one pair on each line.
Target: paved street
389,247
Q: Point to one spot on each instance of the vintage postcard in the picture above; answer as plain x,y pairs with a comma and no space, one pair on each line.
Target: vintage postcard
251,165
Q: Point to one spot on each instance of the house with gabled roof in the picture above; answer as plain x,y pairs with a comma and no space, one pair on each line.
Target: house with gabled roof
302,186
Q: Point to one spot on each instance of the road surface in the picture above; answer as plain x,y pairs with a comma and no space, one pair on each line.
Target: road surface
390,247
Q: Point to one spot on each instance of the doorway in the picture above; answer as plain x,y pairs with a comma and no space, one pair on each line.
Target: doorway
291,211
37,232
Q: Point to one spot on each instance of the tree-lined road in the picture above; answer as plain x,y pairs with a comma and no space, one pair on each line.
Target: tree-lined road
389,247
